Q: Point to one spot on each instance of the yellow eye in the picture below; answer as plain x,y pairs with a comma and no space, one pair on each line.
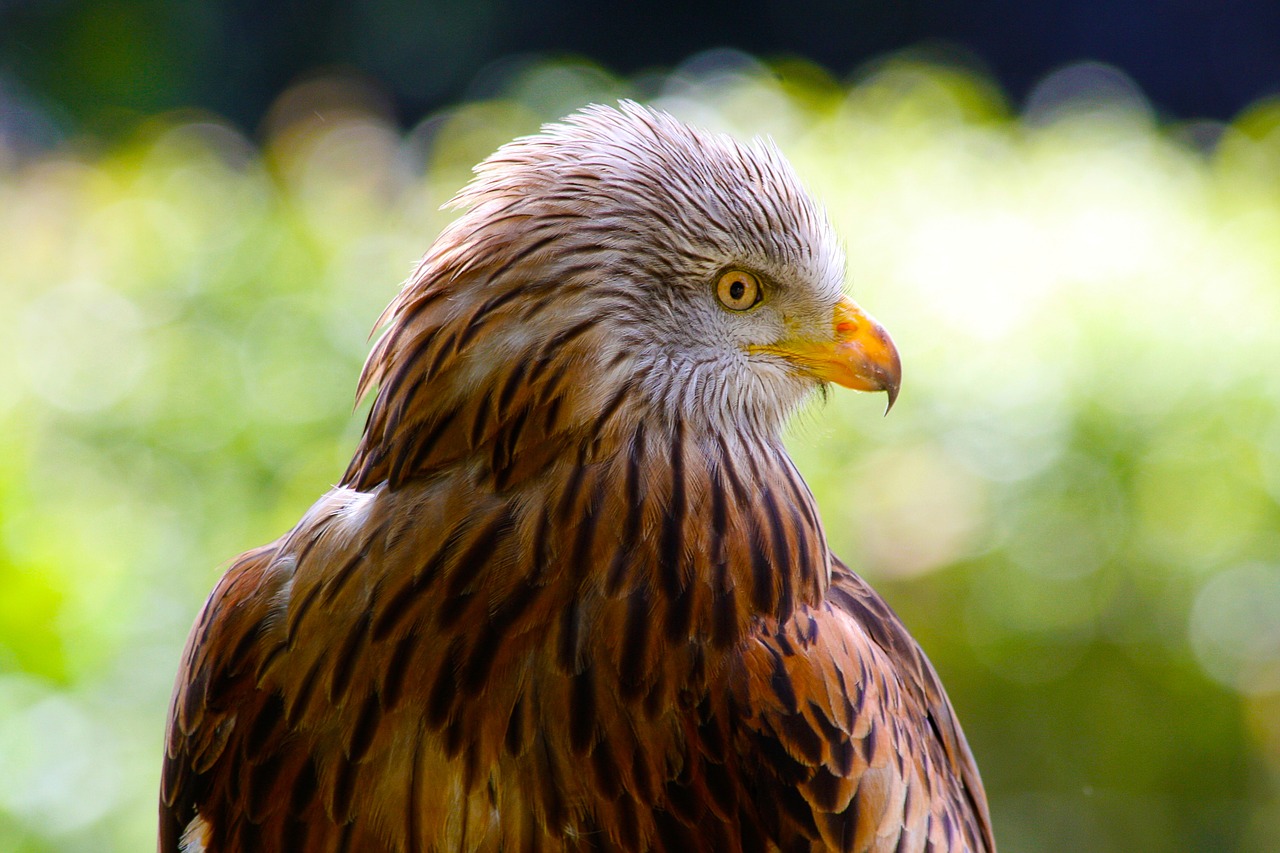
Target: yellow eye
738,290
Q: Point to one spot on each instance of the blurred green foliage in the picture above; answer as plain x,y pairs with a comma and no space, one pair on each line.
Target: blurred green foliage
1075,504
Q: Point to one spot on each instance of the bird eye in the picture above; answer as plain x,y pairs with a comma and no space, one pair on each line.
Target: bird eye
738,290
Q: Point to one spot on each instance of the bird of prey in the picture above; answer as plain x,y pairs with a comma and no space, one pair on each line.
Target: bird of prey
571,593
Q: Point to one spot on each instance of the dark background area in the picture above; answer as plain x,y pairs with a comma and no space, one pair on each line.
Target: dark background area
67,66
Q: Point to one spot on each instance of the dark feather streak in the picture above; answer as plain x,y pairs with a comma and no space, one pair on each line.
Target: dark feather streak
365,728
440,700
485,651
304,788
345,660
569,644
582,711
471,565
672,543
265,726
513,739
343,791
411,456
633,665
604,766
397,667
301,697
396,608
800,736
778,541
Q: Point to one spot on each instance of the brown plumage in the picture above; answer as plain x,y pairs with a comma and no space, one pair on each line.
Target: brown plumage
571,593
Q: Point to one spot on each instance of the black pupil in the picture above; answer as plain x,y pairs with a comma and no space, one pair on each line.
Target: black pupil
736,290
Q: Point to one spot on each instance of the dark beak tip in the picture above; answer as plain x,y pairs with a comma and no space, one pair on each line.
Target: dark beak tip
892,390
892,379
889,370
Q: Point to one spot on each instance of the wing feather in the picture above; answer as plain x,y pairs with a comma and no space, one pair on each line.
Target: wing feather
241,769
213,707
856,740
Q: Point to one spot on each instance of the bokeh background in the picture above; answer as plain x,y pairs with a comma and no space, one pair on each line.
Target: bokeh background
1068,215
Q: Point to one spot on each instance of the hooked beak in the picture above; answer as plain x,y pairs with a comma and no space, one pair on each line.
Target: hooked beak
859,354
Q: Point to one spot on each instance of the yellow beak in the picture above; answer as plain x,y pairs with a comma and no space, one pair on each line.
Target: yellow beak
859,355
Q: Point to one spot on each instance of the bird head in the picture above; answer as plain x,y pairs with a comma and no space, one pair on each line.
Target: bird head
632,267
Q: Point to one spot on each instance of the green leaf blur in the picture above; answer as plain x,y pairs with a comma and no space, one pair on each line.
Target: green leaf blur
1075,504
